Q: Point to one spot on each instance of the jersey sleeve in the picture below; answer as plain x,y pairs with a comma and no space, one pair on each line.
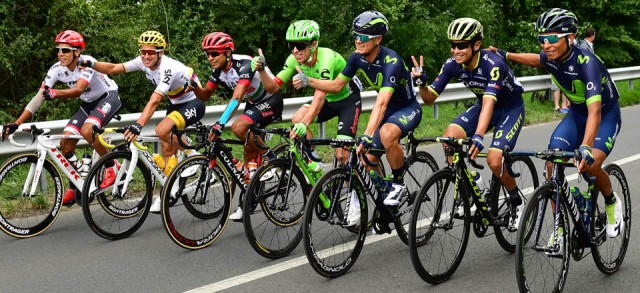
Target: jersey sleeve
245,75
446,72
288,70
52,75
351,68
166,79
87,73
133,64
591,76
497,73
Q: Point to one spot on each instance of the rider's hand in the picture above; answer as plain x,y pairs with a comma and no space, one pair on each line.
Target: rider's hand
192,85
216,131
258,63
587,157
300,80
299,129
366,142
86,63
476,146
49,94
8,129
417,73
500,52
132,131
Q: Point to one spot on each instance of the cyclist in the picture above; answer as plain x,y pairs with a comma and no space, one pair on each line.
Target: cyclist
99,95
172,79
396,110
321,63
593,121
499,104
262,107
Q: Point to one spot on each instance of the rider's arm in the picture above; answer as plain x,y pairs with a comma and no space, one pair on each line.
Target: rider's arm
382,101
204,93
528,59
32,107
81,86
150,108
315,107
488,102
329,86
430,93
593,123
270,84
109,68
233,104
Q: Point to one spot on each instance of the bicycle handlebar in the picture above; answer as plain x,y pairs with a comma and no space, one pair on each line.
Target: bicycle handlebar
102,131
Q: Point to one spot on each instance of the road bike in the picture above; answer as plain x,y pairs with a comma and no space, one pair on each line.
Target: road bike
442,215
552,230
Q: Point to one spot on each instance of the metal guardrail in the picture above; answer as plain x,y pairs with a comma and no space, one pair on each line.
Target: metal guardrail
453,92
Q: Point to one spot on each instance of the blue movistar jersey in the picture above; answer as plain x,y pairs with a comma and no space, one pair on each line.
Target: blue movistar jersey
491,77
583,79
387,71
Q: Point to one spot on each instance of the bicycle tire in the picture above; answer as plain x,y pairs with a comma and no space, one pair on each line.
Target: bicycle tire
274,207
609,255
532,246
418,170
117,215
24,216
501,207
203,214
319,226
437,200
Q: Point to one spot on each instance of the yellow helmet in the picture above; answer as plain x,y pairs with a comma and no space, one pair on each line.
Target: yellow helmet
153,38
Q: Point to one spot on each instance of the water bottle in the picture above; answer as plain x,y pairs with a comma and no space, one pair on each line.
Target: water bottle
73,161
586,210
315,167
159,161
171,163
378,182
577,196
478,180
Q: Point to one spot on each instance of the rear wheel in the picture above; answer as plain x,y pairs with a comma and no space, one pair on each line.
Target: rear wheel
609,254
119,210
438,237
274,206
24,214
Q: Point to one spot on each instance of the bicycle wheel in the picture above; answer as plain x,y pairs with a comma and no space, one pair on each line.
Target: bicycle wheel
22,214
609,254
330,247
274,207
542,257
501,207
202,213
119,210
434,223
418,170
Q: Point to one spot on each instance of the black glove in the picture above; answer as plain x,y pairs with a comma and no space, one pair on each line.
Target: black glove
135,129
11,127
49,94
366,141
86,63
217,128
420,80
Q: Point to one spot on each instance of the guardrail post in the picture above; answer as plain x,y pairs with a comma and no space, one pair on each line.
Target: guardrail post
631,84
322,130
436,111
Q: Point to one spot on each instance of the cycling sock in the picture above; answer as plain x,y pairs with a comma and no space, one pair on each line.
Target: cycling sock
609,200
514,195
398,175
268,155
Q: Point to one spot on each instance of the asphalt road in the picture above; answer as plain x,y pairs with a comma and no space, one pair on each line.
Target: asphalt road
70,258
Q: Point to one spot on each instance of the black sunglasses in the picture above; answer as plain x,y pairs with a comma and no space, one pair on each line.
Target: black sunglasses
460,46
298,45
213,54
63,50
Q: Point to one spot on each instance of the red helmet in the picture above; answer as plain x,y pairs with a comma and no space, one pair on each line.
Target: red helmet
218,41
72,38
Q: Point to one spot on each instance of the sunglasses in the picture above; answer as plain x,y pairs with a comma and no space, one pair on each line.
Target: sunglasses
213,54
460,46
298,45
551,39
149,52
363,38
64,50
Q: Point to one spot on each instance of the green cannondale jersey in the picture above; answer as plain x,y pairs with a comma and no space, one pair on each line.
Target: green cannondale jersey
328,65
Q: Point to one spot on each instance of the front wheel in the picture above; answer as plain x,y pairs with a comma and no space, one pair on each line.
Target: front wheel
117,211
332,248
24,214
274,205
438,234
609,254
542,252
204,199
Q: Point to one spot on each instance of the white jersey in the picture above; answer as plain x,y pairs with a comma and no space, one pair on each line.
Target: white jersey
99,83
171,78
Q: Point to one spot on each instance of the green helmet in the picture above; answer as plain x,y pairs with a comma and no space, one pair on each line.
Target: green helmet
303,30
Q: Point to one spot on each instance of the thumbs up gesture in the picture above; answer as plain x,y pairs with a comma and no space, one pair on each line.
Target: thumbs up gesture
300,80
258,63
